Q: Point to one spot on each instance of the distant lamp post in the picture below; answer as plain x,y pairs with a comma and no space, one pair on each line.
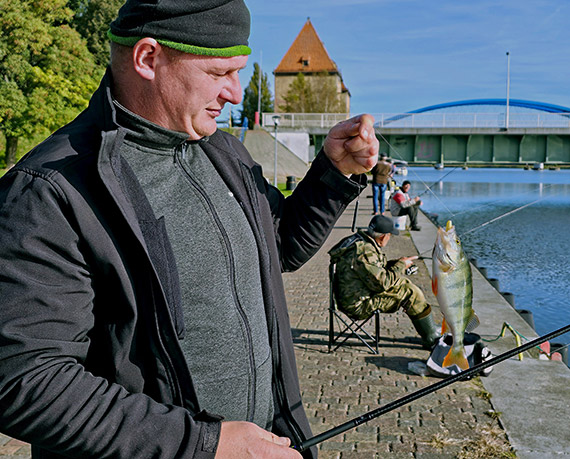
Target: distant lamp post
508,88
276,119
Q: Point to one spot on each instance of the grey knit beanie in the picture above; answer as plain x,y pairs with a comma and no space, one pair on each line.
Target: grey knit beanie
203,27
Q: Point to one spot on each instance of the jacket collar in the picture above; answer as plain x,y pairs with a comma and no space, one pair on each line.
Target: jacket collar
370,239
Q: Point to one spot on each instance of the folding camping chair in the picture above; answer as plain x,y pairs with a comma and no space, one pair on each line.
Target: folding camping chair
351,327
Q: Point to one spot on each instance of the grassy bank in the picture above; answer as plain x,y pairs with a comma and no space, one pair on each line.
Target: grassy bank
282,187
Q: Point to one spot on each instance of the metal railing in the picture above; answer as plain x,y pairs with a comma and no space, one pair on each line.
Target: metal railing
426,120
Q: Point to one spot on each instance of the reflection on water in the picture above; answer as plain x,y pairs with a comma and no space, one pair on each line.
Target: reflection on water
516,223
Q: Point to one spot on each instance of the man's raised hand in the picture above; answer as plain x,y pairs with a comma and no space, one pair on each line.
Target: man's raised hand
352,145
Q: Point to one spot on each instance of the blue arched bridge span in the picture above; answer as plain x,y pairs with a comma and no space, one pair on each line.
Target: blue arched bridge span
530,104
486,131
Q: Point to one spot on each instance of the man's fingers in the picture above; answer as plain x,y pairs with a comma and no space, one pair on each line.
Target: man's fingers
358,144
361,125
283,441
244,440
366,126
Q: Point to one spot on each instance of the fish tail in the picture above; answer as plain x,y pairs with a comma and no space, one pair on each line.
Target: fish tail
445,327
456,357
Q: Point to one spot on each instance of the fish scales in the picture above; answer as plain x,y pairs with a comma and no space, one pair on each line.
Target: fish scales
452,285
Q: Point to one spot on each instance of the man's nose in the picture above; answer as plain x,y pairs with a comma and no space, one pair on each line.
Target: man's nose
232,91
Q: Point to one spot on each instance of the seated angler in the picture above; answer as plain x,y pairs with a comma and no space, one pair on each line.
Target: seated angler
401,204
365,281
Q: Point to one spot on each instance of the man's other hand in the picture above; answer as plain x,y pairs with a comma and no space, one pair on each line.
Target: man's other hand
243,440
408,261
352,145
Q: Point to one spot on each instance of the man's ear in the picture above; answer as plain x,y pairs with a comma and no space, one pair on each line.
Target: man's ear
384,238
145,53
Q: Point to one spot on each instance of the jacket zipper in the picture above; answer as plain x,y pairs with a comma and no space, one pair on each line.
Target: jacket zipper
281,397
179,155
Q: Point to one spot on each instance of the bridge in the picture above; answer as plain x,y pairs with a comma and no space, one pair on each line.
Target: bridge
478,131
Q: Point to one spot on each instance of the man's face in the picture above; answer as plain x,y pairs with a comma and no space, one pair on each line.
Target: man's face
194,89
406,188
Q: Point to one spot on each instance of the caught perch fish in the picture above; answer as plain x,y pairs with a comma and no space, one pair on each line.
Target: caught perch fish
453,287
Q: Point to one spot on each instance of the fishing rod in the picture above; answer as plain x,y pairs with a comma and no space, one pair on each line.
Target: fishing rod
355,215
492,203
419,178
428,188
304,445
502,216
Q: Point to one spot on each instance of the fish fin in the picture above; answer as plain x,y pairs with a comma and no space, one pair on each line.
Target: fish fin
473,322
456,358
444,327
434,285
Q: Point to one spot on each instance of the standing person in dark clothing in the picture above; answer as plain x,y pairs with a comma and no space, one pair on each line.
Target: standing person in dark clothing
143,312
381,173
401,204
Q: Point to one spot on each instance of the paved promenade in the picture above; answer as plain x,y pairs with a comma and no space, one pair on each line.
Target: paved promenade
520,410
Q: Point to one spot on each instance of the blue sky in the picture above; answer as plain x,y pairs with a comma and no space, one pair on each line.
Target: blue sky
400,55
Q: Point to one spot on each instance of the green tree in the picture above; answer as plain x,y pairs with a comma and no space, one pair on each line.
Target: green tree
91,19
320,95
325,95
250,97
46,72
299,97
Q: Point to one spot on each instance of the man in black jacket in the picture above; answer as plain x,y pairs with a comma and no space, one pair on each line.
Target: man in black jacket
143,312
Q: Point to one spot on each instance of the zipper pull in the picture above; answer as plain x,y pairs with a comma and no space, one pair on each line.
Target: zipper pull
182,149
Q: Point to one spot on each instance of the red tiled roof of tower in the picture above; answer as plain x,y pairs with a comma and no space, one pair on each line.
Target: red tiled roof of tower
307,54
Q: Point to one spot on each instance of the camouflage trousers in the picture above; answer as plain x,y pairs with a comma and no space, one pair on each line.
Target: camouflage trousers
405,294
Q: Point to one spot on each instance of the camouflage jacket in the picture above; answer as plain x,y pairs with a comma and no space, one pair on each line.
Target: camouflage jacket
362,270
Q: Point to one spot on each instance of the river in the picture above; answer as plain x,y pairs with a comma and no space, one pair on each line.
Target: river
516,223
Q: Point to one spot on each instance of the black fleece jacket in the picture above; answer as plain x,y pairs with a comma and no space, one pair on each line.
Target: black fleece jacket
90,364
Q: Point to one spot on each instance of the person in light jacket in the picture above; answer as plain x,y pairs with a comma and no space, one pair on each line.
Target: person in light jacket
401,204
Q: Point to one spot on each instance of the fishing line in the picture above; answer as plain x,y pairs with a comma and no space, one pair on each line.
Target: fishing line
440,180
417,176
492,203
452,214
472,230
428,187
514,330
502,216
473,371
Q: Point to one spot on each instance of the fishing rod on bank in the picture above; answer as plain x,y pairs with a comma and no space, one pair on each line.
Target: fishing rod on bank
423,183
304,445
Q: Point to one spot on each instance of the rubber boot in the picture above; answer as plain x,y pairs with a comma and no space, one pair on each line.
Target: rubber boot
427,329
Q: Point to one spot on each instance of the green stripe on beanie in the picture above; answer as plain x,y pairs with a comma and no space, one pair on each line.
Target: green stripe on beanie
239,50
